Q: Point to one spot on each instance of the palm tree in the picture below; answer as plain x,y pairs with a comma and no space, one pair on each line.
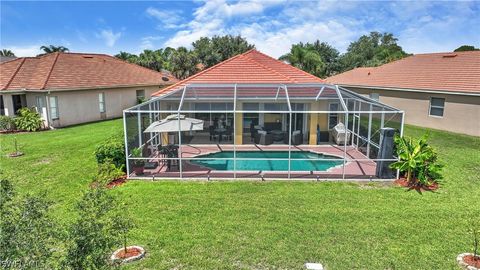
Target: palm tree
5,52
304,58
52,48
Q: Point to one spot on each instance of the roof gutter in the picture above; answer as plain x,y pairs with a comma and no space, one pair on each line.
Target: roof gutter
12,91
445,92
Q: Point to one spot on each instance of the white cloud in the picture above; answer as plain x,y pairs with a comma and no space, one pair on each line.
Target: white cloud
441,33
277,43
147,42
109,36
420,26
167,18
25,51
211,19
273,35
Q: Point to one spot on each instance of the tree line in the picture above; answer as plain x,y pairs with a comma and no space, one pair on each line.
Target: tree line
318,58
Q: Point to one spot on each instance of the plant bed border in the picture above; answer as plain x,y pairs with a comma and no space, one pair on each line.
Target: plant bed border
463,264
117,182
15,154
402,182
114,258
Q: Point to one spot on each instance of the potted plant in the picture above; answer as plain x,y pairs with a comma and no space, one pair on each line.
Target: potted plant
138,164
471,261
418,162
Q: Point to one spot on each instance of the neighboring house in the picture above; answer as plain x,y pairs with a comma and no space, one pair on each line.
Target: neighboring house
436,90
6,58
73,88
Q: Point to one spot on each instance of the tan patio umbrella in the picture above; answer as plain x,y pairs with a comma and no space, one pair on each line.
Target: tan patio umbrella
170,124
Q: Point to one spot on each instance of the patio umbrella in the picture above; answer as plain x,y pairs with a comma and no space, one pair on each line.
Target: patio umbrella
170,124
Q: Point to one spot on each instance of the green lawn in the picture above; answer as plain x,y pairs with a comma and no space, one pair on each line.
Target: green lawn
267,225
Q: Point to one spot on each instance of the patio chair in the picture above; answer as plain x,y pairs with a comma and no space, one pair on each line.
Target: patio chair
296,138
253,131
229,133
213,134
172,152
263,138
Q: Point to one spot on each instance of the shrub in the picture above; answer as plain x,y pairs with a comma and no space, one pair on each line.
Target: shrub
6,123
28,120
95,233
107,172
112,149
417,160
28,235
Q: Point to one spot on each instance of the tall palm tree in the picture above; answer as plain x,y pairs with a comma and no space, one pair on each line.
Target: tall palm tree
5,52
52,48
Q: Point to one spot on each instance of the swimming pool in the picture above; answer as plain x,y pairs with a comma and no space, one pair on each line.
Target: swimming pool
265,161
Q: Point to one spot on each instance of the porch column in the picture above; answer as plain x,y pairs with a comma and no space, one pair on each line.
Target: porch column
238,128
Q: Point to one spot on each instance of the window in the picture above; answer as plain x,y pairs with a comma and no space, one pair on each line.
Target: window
375,96
332,117
40,104
101,102
437,106
140,96
54,107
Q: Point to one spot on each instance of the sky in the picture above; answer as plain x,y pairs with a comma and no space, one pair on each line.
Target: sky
272,26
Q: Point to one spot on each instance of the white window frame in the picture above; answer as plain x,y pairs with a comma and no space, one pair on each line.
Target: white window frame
53,100
40,103
436,107
101,102
141,96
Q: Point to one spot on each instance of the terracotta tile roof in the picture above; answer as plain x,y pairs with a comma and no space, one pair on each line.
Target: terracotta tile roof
57,71
249,67
453,72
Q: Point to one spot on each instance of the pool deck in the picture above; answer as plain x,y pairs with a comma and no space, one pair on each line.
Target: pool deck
357,166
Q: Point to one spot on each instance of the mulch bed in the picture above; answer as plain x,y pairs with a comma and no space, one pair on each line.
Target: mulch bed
418,187
470,260
117,182
131,252
21,131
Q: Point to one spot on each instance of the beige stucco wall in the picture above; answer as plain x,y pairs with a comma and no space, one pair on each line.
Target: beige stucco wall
461,113
81,106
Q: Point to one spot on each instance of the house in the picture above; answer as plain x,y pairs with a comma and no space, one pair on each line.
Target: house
253,116
6,58
436,90
74,88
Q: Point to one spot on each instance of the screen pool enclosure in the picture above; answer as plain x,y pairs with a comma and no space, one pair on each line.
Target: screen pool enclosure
261,131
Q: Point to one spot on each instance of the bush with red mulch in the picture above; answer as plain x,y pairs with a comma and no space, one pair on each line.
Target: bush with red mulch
416,185
117,182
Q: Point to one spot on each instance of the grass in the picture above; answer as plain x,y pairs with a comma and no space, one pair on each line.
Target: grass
267,225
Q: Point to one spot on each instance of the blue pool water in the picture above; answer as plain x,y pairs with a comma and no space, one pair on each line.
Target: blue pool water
253,161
